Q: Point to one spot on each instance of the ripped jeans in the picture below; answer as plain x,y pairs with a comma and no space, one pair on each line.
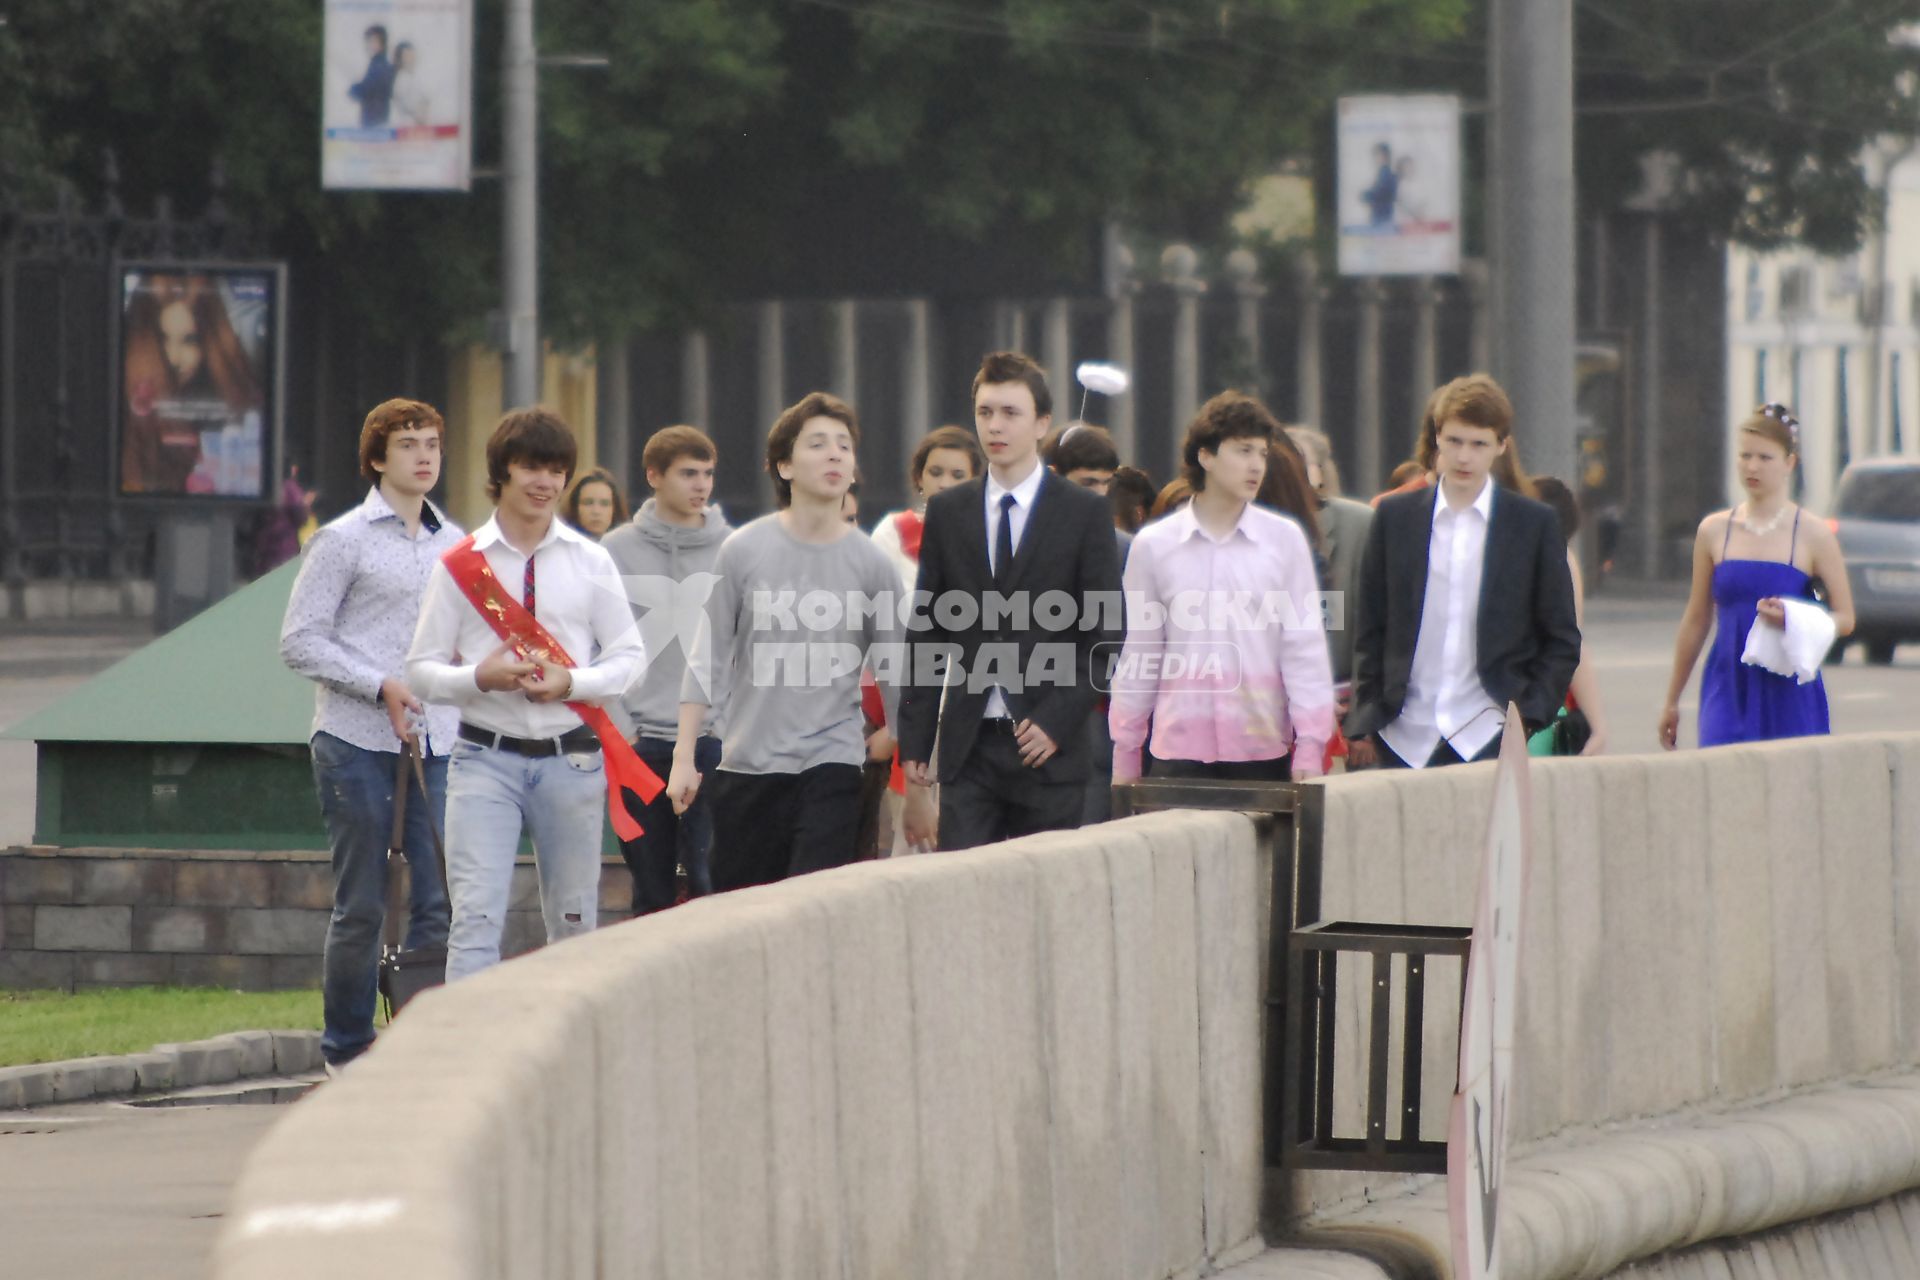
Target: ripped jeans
491,793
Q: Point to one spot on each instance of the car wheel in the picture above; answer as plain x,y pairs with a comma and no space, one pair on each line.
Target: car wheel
1880,650
1837,654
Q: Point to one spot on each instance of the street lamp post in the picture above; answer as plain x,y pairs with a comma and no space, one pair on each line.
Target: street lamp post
1531,240
519,189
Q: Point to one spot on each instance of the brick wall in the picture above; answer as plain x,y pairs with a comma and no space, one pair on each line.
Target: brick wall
254,921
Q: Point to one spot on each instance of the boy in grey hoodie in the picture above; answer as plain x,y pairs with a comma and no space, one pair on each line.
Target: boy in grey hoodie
665,555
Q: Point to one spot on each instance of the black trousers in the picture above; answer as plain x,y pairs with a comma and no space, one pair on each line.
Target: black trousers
1278,769
995,797
1442,755
768,826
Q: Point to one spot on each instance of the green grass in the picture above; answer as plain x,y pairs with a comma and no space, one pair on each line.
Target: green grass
48,1026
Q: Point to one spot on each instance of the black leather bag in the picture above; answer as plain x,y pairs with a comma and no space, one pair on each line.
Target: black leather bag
405,973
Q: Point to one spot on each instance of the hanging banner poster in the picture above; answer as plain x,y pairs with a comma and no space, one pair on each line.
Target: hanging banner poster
397,95
1477,1132
1398,172
200,353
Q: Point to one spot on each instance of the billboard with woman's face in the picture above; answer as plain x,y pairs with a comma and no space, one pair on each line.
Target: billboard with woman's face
199,357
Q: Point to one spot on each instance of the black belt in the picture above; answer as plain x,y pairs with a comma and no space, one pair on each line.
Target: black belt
1003,724
581,739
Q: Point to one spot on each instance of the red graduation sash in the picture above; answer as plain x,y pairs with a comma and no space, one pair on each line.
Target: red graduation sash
513,624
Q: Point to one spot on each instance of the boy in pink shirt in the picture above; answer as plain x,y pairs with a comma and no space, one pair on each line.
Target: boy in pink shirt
1226,653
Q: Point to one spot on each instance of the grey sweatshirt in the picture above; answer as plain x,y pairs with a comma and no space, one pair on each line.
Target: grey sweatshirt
667,572
790,625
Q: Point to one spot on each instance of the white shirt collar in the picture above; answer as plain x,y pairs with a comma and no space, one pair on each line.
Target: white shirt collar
1187,525
376,507
558,531
1023,493
1483,503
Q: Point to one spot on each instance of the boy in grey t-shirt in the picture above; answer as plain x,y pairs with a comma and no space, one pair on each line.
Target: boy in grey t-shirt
666,557
803,602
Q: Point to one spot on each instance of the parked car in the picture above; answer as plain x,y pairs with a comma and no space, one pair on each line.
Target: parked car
1877,517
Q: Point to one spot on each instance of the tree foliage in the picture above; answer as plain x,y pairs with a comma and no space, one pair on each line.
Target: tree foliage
726,136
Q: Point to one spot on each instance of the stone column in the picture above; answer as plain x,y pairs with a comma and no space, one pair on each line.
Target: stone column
1179,266
1480,335
614,448
916,410
772,379
1426,355
1368,453
696,381
1056,353
1243,275
1122,286
1308,401
843,340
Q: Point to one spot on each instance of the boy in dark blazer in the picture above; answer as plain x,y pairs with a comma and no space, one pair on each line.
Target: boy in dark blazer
1021,582
1465,602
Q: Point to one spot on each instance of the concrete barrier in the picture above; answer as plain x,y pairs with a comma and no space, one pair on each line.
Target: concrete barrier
1719,993
1039,1059
1043,1059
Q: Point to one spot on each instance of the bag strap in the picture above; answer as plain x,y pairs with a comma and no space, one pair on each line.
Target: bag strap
412,754
397,907
396,842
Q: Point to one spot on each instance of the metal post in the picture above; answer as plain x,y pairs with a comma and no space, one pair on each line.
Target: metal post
519,185
1532,225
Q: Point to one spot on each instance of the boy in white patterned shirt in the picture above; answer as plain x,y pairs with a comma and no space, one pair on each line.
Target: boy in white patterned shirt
347,628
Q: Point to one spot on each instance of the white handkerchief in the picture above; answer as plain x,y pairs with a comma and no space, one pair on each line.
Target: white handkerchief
1797,649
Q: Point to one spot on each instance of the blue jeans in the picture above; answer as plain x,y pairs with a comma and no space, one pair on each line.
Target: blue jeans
491,796
668,840
356,801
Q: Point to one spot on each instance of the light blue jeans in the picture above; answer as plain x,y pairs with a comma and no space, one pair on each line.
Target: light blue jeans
491,795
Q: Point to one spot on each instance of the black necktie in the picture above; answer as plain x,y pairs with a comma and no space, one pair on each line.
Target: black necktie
1003,542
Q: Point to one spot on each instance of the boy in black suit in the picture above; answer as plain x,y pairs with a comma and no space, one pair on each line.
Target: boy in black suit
1021,577
1465,602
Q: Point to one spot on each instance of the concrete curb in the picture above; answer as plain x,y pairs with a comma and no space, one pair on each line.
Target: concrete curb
237,1055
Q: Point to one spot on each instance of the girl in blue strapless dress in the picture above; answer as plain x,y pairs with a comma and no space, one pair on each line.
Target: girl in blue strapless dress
1746,561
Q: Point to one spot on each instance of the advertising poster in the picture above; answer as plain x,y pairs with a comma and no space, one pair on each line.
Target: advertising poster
1477,1132
1399,185
199,358
397,95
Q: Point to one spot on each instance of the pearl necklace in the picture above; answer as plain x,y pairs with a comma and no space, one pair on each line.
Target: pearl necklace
1761,530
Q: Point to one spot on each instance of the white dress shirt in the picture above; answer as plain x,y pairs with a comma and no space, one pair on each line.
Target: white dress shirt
1024,494
577,598
1445,698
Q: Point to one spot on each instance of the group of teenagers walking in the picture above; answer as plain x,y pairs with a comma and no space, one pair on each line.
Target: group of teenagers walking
739,700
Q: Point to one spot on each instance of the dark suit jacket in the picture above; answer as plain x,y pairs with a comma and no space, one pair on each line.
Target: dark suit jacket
1527,636
1068,545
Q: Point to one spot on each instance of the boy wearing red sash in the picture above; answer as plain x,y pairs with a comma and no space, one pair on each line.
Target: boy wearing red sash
526,630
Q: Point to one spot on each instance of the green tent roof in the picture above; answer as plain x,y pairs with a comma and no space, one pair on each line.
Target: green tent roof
215,678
